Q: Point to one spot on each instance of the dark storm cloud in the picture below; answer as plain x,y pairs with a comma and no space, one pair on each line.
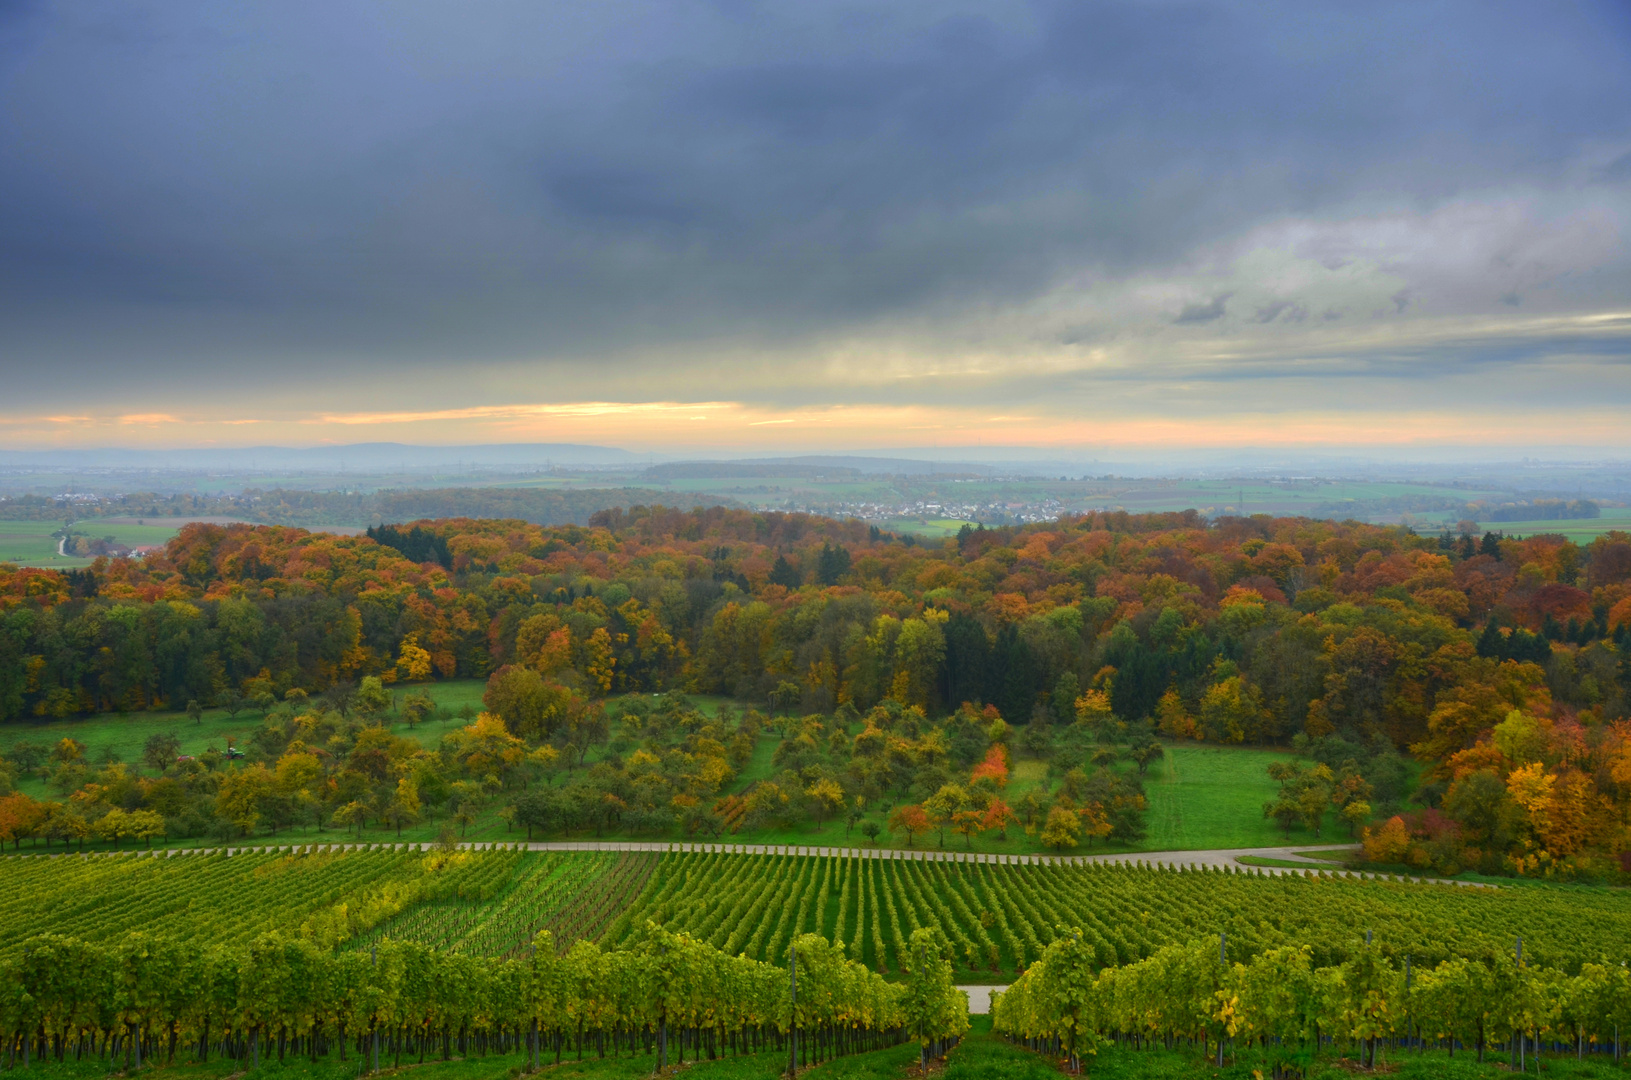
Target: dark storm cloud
1210,311
209,188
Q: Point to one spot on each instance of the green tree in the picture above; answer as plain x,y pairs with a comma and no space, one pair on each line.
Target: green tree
1063,829
417,707
160,750
943,807
784,574
832,564
372,699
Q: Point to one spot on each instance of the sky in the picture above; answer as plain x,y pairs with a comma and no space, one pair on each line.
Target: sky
816,226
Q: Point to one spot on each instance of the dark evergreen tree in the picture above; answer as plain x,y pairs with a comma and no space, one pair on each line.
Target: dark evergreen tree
1015,678
1491,546
784,573
418,544
1066,689
964,672
1141,678
832,564
1526,647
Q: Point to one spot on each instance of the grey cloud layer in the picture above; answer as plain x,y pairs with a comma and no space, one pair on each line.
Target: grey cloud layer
231,192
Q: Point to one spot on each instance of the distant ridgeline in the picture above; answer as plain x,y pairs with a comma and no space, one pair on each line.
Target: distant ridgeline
1543,510
282,507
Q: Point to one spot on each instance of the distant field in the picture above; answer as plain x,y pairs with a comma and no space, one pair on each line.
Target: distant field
1580,530
935,528
30,543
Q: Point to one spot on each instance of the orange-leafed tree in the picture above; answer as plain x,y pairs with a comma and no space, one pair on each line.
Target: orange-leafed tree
994,767
909,821
19,817
998,815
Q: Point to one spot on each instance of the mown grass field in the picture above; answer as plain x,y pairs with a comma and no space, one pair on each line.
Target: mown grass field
1207,796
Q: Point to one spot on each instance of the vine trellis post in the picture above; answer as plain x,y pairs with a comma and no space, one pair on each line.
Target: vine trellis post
373,1062
792,1013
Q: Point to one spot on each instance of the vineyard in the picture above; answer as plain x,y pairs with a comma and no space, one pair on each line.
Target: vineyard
439,953
488,903
402,951
1000,917
572,896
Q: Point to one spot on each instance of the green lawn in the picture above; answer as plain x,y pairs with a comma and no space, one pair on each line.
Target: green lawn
1207,796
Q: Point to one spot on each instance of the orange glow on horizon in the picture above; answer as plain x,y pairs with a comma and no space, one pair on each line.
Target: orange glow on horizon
739,426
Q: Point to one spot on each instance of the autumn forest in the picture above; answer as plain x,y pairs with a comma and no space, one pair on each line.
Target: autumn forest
1497,666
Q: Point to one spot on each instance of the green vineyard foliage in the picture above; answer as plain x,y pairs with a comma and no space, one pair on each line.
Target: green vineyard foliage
1280,1001
145,995
999,917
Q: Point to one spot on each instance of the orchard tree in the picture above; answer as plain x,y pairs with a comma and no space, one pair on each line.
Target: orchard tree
372,700
160,750
908,821
1063,829
826,798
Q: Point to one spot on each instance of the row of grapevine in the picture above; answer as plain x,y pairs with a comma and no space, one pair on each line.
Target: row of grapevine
1000,917
489,902
1282,1008
143,996
997,917
598,894
502,925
